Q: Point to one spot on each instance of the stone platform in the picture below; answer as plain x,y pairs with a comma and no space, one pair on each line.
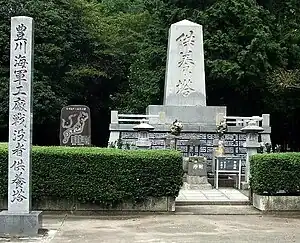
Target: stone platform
20,224
223,196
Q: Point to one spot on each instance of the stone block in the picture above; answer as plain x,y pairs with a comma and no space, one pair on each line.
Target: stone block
244,185
276,203
20,224
187,186
151,204
186,114
196,179
197,166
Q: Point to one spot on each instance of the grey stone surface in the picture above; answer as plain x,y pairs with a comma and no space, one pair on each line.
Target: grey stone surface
233,142
276,203
196,174
244,185
20,224
196,180
185,77
20,114
75,126
200,115
196,128
197,166
217,210
205,223
266,120
162,204
179,229
193,186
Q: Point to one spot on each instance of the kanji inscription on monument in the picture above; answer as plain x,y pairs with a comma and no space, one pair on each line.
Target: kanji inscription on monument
185,77
20,107
75,127
19,219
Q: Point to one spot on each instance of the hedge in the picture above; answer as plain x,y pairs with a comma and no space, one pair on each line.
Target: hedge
100,175
271,173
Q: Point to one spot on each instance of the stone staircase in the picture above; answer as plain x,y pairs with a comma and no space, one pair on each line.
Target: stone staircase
224,201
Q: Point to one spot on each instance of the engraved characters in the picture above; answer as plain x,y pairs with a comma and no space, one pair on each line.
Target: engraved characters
186,42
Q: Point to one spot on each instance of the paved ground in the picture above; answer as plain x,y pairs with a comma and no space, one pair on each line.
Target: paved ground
171,228
224,195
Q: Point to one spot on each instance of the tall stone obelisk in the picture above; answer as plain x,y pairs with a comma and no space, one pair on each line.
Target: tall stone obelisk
185,88
185,76
19,219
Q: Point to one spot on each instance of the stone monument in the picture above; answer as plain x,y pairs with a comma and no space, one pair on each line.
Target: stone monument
185,101
185,90
185,78
196,178
75,126
19,219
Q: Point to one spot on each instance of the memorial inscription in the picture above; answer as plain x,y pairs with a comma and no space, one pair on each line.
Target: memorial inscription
75,127
186,63
233,142
20,116
19,220
185,76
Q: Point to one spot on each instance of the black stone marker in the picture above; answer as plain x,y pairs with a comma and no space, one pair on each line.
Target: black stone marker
75,126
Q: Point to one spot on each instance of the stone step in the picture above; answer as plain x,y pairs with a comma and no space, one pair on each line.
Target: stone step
216,210
211,202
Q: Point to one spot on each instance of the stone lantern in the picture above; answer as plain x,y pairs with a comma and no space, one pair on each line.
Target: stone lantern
251,144
143,141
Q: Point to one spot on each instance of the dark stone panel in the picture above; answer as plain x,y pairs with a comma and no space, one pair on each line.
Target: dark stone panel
75,126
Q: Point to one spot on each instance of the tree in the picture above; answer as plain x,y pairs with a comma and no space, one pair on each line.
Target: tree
71,65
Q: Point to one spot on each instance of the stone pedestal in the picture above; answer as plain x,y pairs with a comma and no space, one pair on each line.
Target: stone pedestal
196,174
207,115
20,224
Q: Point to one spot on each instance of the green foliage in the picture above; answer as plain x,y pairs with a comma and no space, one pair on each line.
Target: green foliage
111,54
271,173
103,176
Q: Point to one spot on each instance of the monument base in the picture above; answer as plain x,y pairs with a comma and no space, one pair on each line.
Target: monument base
207,115
20,224
196,183
187,186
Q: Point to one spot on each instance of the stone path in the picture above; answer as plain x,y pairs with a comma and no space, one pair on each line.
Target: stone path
221,196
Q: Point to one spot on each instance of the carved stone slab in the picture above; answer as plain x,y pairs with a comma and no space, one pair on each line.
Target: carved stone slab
75,126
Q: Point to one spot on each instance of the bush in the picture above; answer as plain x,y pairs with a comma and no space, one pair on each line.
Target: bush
271,173
103,176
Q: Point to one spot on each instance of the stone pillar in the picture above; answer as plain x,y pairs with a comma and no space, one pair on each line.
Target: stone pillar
196,174
185,77
19,219
251,145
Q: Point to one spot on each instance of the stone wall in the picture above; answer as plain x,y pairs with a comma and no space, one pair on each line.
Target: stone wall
162,204
233,142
